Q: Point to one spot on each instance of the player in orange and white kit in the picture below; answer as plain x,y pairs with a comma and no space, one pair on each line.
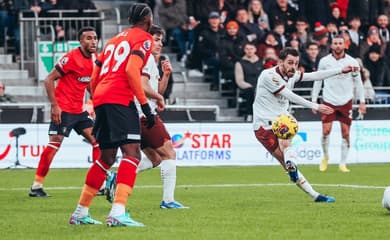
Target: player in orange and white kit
116,80
73,72
156,141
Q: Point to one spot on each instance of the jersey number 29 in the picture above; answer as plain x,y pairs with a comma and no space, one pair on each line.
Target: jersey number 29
120,54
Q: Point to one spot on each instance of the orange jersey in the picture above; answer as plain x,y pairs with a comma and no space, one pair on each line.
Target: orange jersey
113,84
76,70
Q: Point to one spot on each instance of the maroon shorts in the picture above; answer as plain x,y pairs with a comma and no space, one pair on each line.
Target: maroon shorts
267,138
341,113
153,137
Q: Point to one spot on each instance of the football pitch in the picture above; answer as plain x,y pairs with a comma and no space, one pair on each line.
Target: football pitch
226,203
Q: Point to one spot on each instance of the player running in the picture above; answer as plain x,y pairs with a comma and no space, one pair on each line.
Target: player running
115,81
156,141
272,98
73,72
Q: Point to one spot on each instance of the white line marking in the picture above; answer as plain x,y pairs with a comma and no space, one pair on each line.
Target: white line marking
213,186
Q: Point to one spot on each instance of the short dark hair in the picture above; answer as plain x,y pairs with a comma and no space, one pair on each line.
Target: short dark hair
311,44
137,12
288,51
155,29
85,29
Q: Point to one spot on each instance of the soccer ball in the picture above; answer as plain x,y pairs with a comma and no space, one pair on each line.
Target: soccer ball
285,126
386,199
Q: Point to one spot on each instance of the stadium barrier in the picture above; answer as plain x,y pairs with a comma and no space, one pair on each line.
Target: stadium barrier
212,144
52,34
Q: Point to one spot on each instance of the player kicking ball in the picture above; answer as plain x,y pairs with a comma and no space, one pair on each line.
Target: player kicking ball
155,141
273,94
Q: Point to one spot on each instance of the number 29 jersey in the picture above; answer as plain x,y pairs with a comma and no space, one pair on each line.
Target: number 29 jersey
113,84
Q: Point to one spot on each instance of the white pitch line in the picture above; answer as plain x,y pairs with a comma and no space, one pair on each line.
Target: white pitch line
214,186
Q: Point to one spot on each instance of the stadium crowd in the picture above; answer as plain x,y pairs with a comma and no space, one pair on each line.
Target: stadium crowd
212,35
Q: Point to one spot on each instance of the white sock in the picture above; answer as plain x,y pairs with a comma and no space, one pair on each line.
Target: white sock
144,164
81,211
325,145
303,184
168,177
291,154
36,185
344,151
117,209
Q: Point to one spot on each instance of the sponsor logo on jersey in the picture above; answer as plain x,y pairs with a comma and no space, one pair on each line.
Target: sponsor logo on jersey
64,60
84,79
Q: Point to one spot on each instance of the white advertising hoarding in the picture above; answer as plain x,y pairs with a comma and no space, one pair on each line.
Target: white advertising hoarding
210,144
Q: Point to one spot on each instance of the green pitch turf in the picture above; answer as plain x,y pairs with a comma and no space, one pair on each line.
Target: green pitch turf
226,203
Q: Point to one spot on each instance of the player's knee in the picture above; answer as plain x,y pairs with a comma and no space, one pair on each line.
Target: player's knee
284,143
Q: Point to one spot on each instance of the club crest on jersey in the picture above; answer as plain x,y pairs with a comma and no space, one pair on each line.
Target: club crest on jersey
275,79
147,45
64,60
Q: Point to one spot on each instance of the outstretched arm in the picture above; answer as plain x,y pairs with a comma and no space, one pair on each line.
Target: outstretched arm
287,93
322,74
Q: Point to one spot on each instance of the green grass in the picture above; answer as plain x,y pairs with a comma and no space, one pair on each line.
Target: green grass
226,203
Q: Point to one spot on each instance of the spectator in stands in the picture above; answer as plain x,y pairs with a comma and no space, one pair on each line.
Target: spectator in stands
336,14
280,33
350,47
198,12
386,7
269,42
173,18
309,60
383,25
293,42
231,49
250,30
228,8
377,66
247,71
3,96
320,36
283,12
372,38
208,47
302,30
258,15
356,34
369,92
332,29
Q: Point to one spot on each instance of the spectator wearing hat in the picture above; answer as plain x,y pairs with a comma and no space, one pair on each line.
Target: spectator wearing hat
231,49
372,38
377,66
208,47
320,36
383,24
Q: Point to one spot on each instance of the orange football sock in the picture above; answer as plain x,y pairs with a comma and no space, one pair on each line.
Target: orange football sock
122,193
87,196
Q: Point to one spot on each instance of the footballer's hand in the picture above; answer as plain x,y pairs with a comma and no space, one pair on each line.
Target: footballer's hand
56,114
350,68
160,104
313,110
148,114
166,67
362,108
325,109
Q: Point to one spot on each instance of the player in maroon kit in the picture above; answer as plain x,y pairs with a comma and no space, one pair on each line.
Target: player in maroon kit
73,72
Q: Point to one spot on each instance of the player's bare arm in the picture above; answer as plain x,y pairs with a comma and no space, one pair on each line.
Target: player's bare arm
167,70
151,93
50,89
